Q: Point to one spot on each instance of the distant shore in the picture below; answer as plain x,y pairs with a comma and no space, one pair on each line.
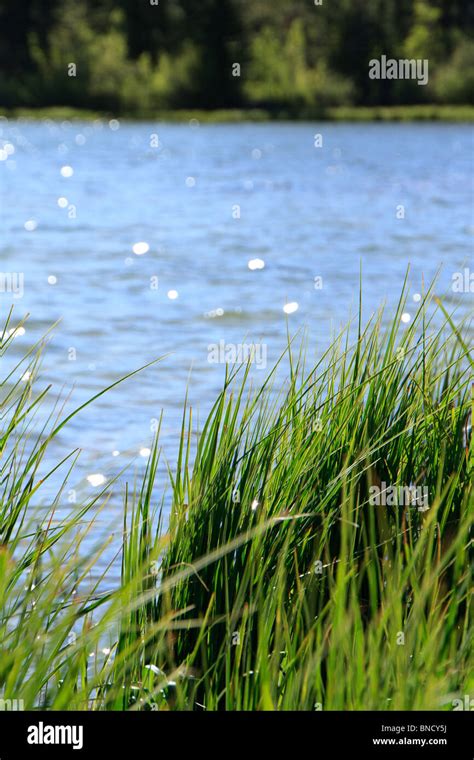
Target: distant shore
412,113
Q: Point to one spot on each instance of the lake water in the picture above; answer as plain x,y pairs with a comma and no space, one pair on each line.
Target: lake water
207,200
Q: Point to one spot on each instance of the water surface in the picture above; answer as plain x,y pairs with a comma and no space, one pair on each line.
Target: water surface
207,200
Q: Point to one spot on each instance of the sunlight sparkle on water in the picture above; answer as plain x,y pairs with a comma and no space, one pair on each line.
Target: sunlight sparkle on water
96,480
139,249
214,313
256,264
67,171
290,308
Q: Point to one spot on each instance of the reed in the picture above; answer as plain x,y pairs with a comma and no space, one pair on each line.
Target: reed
285,577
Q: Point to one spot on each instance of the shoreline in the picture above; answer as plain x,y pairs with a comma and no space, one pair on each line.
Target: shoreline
390,114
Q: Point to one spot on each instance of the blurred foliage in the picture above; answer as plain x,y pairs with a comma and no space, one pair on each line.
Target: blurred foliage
454,81
279,72
134,57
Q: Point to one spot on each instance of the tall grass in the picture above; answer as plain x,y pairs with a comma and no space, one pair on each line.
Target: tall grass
276,582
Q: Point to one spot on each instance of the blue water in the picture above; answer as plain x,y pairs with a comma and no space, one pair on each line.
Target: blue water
305,211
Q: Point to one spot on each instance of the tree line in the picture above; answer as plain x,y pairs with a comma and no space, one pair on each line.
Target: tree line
135,56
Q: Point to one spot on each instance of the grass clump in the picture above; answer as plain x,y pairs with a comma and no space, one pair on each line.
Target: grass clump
285,577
